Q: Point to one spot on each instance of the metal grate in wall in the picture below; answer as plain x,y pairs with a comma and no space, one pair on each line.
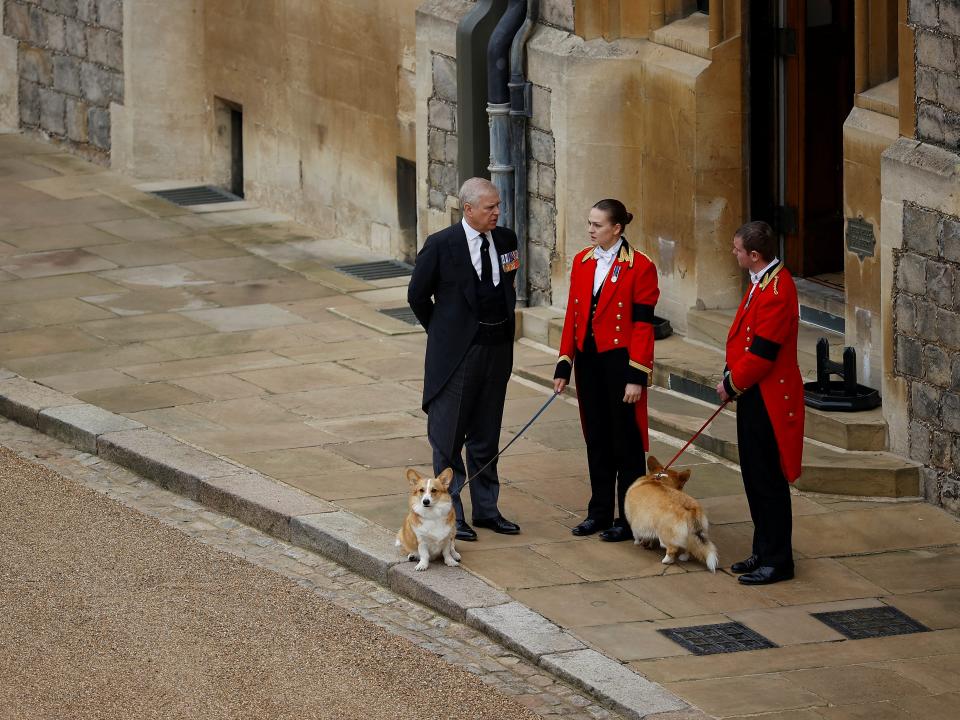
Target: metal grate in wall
200,195
401,313
870,622
378,270
719,638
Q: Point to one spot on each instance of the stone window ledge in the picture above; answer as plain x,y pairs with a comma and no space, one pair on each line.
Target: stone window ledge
690,35
883,99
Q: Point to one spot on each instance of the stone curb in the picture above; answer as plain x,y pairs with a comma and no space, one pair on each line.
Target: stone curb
314,524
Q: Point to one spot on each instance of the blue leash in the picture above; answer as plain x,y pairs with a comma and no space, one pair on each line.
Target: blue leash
516,437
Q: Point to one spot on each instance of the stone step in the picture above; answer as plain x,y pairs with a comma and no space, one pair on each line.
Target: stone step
826,469
710,327
694,369
821,305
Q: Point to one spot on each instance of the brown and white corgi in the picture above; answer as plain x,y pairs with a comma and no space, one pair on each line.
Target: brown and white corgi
658,509
430,527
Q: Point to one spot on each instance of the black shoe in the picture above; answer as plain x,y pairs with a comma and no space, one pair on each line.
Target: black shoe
766,575
588,527
498,524
745,566
616,533
465,532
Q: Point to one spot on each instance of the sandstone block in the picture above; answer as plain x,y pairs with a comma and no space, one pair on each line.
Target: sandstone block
950,17
37,33
919,442
926,403
540,108
55,31
105,47
542,147
948,91
7,374
87,10
53,111
35,65
936,51
445,77
442,115
909,356
927,321
951,239
172,464
940,283
75,36
22,400
29,103
80,425
927,83
951,412
452,591
110,14
522,630
931,123
16,21
543,222
350,540
940,450
906,314
912,274
66,74
936,366
923,12
628,693
948,328
547,182
921,230
98,127
558,13
259,501
77,120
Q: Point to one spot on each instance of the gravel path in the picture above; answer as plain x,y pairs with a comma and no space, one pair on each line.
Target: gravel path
108,613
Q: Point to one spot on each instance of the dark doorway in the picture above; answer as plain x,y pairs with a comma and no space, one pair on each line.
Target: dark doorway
801,81
407,207
236,150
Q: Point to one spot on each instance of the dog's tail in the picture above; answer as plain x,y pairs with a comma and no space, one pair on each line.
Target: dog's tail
700,545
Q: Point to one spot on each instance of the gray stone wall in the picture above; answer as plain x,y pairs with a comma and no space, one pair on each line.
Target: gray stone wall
70,62
542,215
927,352
937,27
442,131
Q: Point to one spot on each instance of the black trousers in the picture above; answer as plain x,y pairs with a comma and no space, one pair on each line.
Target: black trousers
768,492
614,446
468,411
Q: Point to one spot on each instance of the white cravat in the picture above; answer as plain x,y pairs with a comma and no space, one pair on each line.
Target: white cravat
756,277
604,260
474,242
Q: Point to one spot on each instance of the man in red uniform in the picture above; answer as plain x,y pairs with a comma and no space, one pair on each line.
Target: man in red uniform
763,377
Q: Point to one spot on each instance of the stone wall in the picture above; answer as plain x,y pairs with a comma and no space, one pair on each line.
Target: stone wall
442,131
927,353
937,27
70,68
542,202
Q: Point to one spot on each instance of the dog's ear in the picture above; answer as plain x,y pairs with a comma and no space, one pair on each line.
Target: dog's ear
653,464
445,478
413,477
682,478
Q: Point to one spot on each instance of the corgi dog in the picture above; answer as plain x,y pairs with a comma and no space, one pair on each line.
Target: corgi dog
430,527
658,509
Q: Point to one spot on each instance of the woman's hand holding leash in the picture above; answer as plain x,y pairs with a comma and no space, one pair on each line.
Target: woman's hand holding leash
559,384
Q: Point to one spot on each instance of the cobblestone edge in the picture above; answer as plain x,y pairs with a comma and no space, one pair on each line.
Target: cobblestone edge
314,524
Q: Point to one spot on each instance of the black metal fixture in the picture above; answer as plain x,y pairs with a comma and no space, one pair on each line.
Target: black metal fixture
844,395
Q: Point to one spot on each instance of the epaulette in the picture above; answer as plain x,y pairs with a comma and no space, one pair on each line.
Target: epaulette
766,280
587,253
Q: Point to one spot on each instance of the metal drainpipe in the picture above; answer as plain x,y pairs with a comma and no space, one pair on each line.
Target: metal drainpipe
498,106
473,135
521,92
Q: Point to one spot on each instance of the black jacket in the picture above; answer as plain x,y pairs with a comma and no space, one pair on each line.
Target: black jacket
443,296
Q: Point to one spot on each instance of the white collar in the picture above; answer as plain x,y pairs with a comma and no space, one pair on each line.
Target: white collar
473,233
756,277
600,253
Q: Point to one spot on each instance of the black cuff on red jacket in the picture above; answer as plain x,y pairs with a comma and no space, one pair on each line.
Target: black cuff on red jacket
728,386
563,370
637,376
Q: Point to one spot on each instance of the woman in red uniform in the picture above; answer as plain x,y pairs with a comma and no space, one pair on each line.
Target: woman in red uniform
608,340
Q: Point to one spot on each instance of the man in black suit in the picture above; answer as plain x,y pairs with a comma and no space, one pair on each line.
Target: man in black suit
462,292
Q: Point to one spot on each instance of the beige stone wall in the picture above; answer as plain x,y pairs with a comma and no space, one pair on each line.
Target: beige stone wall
327,94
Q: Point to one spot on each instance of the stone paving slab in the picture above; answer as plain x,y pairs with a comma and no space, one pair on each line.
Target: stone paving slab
81,425
22,400
522,630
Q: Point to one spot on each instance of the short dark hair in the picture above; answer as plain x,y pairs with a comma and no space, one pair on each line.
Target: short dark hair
615,211
758,235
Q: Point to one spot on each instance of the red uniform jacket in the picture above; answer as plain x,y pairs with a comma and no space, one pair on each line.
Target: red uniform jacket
762,348
623,319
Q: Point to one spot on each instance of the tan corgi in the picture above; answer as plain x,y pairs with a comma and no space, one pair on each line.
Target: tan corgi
430,527
658,509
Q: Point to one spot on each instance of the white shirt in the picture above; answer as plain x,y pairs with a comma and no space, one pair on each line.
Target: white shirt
756,277
474,242
605,260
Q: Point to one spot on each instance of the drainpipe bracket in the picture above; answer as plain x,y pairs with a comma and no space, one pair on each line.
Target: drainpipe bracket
521,98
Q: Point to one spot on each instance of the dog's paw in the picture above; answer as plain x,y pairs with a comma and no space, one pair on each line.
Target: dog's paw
684,557
411,557
422,565
455,555
450,562
667,560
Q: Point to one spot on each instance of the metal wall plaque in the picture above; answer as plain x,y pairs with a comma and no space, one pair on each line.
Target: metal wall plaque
860,238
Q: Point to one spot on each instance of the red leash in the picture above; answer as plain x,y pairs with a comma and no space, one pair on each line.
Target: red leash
696,434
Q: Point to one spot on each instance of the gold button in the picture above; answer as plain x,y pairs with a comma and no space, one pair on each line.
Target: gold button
748,328
786,397
619,317
746,349
781,381
616,341
618,328
791,414
619,304
576,301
